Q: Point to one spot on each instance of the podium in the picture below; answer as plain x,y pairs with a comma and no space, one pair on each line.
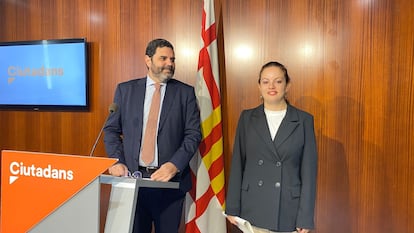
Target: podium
42,192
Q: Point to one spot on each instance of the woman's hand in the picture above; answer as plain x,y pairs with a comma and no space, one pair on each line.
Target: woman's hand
301,230
232,219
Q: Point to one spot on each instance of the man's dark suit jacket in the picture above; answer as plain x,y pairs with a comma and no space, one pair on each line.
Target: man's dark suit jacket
273,183
178,132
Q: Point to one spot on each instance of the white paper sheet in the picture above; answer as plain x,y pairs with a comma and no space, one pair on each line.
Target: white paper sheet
243,224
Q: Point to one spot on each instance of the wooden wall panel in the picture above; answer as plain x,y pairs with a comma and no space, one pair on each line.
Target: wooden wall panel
351,64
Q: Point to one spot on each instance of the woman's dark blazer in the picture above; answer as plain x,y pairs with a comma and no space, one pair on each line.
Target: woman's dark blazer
273,183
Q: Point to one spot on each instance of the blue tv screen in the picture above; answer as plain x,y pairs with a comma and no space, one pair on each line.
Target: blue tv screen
44,75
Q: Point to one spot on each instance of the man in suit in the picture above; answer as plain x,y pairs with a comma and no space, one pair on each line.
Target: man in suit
177,138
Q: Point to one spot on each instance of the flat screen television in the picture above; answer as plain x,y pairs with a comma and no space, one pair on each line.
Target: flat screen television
44,75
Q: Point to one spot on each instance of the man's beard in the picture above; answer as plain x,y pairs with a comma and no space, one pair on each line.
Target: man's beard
165,77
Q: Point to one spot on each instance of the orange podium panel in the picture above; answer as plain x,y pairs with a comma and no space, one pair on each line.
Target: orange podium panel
34,184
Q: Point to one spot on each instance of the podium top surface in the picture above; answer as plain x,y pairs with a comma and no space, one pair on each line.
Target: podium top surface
131,182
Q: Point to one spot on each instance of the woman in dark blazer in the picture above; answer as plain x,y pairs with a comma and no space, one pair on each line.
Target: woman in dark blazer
272,182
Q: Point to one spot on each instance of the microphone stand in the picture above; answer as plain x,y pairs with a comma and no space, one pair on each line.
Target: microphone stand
112,108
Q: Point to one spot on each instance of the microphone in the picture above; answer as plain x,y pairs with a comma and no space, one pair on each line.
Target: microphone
112,108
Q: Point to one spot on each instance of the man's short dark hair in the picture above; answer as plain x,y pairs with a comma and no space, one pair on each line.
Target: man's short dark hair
157,43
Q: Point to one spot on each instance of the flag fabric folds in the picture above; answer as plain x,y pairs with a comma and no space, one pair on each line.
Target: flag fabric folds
206,200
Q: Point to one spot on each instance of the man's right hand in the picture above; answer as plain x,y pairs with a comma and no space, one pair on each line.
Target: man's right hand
118,169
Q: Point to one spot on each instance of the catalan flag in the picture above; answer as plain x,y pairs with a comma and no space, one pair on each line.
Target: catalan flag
205,202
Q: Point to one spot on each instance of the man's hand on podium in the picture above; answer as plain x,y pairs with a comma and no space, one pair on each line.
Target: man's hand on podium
118,169
165,172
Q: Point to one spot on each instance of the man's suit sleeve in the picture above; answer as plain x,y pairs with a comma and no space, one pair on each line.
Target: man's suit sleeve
192,132
113,131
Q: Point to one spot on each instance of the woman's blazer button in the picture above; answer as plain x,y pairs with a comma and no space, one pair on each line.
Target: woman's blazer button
278,164
260,162
277,185
260,183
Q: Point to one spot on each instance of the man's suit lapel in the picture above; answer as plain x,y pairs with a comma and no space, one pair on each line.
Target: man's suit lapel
167,103
139,94
137,110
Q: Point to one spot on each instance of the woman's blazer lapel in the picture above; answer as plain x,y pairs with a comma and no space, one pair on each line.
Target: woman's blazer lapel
286,128
259,123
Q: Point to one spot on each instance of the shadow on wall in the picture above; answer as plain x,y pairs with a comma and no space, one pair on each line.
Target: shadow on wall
369,180
332,202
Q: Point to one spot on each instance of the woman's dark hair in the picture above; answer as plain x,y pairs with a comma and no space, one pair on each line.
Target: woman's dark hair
275,64
157,43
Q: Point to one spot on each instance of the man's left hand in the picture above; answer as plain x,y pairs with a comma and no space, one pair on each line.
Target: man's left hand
165,172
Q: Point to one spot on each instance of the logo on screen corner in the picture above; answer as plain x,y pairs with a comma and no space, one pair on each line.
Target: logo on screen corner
19,169
42,71
16,71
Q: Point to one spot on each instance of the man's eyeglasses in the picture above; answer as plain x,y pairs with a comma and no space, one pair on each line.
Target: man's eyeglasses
135,175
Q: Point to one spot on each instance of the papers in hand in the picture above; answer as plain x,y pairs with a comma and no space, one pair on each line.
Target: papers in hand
243,224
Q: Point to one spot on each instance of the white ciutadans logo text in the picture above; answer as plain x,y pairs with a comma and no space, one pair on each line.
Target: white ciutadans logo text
20,169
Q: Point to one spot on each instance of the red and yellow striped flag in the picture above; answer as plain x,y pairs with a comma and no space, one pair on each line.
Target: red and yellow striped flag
205,202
